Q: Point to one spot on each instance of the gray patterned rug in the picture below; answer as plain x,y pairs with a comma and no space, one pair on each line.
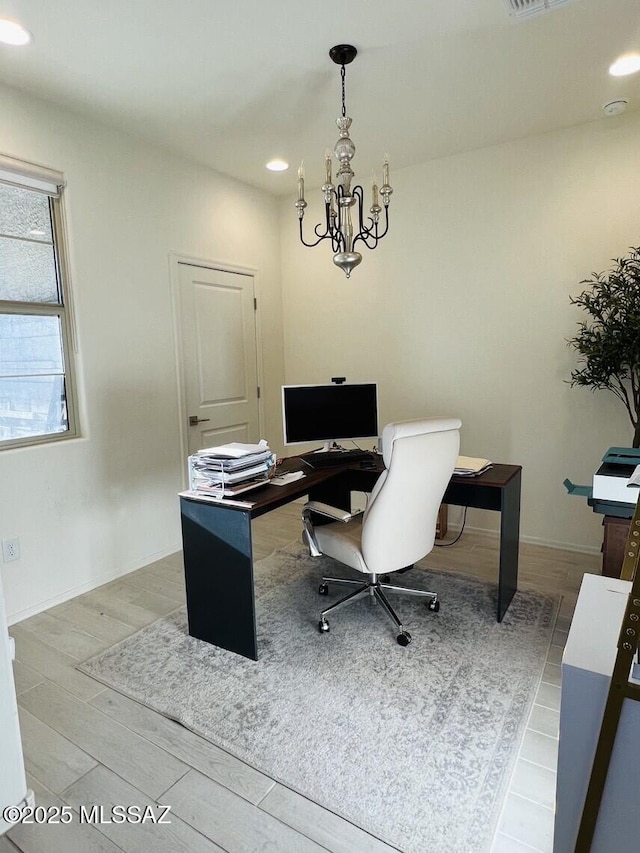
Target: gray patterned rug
414,745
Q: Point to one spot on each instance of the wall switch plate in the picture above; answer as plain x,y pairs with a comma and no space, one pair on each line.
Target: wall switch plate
10,549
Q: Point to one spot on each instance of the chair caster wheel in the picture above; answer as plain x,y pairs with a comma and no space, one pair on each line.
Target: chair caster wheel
323,589
404,639
323,626
434,605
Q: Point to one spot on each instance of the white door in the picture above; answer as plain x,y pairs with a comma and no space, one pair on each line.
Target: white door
219,356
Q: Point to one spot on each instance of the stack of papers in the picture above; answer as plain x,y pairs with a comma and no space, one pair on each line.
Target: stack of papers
230,469
470,466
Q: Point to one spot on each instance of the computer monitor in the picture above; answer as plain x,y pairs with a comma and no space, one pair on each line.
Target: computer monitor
329,412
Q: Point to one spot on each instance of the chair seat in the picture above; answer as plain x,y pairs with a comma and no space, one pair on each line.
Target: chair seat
342,543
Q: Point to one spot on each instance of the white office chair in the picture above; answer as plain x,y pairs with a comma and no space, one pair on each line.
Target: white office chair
398,527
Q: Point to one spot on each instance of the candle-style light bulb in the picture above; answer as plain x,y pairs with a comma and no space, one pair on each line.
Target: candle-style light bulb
385,170
301,181
374,189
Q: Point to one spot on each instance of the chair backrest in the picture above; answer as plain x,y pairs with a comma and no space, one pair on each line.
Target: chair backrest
399,524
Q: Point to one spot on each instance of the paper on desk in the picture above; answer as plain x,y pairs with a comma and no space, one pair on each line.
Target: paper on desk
230,476
468,465
285,479
634,479
235,449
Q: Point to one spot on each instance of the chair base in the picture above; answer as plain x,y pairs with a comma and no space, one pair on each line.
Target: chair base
373,589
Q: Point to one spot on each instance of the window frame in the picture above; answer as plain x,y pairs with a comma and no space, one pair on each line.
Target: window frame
61,309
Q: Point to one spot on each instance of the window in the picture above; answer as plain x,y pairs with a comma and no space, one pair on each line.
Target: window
36,382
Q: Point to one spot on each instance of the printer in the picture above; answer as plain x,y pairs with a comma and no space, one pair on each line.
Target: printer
618,478
617,481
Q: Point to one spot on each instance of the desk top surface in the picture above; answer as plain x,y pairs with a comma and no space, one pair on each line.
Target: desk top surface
269,497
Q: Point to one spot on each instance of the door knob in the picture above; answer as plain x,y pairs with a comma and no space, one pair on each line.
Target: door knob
194,420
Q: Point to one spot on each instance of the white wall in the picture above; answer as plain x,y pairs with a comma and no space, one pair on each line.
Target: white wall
464,308
90,509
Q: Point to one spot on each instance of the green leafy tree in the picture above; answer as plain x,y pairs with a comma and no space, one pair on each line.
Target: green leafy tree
608,342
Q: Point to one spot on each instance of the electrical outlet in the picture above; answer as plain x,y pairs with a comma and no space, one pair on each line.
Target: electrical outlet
10,549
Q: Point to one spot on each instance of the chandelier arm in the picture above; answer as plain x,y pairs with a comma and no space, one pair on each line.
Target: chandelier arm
337,237
363,230
364,237
365,233
358,192
337,232
321,237
334,234
386,222
327,222
327,225
380,234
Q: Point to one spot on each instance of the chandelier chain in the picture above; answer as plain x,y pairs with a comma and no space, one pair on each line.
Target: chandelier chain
343,74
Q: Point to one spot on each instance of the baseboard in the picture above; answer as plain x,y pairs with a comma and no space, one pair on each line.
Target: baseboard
529,540
14,618
562,546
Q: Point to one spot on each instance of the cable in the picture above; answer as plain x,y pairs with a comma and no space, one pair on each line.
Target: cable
453,541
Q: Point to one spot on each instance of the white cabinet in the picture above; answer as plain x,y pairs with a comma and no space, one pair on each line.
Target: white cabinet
13,785
587,665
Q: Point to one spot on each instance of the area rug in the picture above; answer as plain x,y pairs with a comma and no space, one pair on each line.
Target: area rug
415,745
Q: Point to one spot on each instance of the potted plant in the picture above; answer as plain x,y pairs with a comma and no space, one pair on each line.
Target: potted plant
608,341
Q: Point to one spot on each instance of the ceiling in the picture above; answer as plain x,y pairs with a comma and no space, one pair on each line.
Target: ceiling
232,85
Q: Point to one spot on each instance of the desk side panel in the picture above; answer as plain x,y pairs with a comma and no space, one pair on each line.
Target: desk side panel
219,576
509,543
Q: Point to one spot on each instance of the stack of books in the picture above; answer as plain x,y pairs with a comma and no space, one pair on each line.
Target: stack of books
230,469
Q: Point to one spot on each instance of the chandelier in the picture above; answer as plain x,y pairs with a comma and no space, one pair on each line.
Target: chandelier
340,198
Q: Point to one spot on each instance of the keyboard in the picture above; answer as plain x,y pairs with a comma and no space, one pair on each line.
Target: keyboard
332,458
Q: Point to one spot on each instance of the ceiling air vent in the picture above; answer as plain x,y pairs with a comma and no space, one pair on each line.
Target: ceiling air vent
529,8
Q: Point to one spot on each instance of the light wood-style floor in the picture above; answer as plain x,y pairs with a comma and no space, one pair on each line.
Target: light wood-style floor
86,744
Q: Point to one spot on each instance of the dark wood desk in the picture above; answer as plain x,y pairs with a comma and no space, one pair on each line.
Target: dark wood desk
218,559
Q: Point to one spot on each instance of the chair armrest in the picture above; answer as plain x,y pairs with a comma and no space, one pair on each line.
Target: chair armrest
325,510
329,511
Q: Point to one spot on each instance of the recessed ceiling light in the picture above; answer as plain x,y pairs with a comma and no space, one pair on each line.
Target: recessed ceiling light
11,32
277,165
627,64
